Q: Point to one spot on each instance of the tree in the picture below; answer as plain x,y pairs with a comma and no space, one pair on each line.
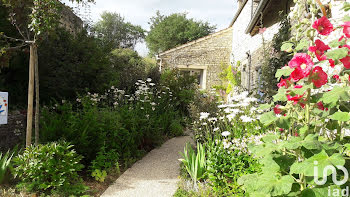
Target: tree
114,32
170,31
32,19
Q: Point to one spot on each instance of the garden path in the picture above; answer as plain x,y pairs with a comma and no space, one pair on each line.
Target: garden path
155,175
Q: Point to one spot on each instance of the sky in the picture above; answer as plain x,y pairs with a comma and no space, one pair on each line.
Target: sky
138,12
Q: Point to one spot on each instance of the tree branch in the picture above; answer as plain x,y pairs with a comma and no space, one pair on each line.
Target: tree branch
13,39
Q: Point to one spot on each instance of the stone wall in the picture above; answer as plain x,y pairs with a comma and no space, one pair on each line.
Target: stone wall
248,48
71,22
13,133
207,53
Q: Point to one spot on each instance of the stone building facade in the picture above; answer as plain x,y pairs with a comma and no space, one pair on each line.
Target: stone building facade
70,21
203,57
247,43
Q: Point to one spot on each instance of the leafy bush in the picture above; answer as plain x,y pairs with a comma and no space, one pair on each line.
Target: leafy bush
225,166
176,128
183,88
51,167
5,165
195,163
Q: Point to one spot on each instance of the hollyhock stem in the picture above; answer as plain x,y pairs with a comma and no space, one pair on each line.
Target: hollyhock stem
307,111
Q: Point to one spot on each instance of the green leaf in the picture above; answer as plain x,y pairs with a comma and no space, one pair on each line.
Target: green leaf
281,95
335,95
264,149
302,90
288,47
283,72
270,138
269,165
307,167
346,18
265,106
340,116
277,186
268,118
335,43
283,122
337,54
304,43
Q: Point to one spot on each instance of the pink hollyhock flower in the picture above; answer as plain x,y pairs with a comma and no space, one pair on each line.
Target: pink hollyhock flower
281,129
295,98
283,83
331,63
346,29
319,77
323,26
320,105
300,73
299,60
319,50
277,109
296,134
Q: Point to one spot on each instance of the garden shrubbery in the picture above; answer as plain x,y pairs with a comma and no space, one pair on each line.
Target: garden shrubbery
116,127
51,167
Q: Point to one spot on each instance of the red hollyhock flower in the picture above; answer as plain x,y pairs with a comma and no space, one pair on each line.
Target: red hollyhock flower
298,86
336,77
295,98
319,77
296,134
299,60
319,50
320,105
346,60
331,63
277,109
300,73
323,26
346,29
283,83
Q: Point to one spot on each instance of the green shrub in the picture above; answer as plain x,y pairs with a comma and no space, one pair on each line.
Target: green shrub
5,165
51,167
225,166
176,129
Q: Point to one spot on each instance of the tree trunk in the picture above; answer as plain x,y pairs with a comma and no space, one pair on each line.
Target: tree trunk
30,95
37,104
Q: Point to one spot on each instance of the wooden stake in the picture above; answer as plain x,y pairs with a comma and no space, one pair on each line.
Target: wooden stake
30,96
37,104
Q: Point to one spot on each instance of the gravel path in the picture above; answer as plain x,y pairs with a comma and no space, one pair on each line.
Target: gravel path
156,175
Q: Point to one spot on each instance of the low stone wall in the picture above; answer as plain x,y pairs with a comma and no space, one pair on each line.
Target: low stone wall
13,133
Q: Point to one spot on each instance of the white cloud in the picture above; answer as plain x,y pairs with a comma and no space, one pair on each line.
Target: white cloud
216,12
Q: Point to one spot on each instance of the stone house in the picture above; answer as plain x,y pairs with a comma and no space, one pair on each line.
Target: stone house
203,57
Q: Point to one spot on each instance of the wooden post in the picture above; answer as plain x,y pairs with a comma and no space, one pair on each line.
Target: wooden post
30,96
37,103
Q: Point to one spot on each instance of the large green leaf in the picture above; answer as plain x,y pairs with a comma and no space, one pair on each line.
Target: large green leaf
281,95
264,149
310,142
283,72
276,186
336,94
269,165
268,118
340,116
337,54
304,43
288,47
302,90
307,167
